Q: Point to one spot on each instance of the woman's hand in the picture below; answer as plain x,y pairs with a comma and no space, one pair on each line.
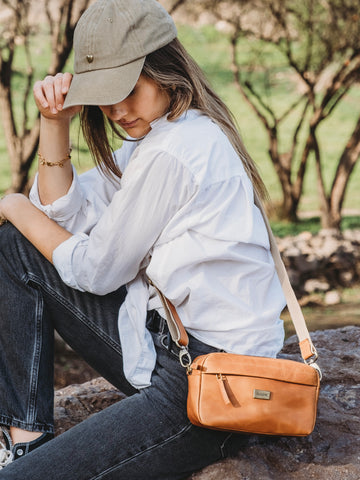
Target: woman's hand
42,232
49,95
6,205
54,146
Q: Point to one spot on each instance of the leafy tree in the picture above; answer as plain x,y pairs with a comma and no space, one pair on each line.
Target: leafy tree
320,44
20,21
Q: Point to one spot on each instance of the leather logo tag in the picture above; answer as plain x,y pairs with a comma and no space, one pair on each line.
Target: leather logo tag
261,394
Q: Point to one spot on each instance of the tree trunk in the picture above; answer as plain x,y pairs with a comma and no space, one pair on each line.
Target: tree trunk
21,149
282,164
349,157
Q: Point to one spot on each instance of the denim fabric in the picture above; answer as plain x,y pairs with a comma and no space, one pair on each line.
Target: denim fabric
145,436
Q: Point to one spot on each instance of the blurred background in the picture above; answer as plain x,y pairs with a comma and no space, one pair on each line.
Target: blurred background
288,70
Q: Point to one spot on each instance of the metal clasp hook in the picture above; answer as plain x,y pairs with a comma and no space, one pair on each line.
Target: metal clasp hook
185,358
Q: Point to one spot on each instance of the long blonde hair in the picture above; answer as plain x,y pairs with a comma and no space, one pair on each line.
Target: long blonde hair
175,71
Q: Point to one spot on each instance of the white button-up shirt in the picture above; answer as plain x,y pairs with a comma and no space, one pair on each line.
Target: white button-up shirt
184,213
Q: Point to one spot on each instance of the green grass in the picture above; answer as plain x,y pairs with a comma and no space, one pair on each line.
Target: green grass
211,50
312,225
280,91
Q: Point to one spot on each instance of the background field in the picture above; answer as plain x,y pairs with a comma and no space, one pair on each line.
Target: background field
210,48
211,51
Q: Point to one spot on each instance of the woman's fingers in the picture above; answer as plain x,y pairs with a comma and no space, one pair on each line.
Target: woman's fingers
50,93
58,95
66,82
39,96
62,82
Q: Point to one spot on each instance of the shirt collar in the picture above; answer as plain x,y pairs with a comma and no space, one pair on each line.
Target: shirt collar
191,113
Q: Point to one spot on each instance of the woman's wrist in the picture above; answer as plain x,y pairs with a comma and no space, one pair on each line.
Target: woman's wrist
59,163
54,147
57,123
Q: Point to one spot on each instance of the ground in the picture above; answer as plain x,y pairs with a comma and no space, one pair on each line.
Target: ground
70,368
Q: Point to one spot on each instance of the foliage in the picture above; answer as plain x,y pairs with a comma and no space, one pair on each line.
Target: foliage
21,22
263,64
311,224
318,43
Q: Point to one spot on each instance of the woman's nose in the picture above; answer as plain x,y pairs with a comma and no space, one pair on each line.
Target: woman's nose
117,111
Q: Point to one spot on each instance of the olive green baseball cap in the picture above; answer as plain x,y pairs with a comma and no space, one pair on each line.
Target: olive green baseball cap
111,41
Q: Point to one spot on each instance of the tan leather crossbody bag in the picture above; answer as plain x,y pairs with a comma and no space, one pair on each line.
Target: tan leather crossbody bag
247,393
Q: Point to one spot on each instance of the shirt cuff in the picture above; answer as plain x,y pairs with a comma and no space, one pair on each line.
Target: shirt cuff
64,207
62,259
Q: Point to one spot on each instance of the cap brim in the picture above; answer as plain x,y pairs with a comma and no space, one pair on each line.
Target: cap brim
105,86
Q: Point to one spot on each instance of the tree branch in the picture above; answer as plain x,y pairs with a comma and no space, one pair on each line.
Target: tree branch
176,5
349,157
324,205
240,86
28,90
298,183
297,130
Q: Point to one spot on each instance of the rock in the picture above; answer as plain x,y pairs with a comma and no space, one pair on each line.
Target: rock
346,279
306,263
76,402
352,235
294,277
332,297
331,452
331,258
305,236
312,300
314,285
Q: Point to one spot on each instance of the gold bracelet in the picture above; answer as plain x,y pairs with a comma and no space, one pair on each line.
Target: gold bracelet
60,163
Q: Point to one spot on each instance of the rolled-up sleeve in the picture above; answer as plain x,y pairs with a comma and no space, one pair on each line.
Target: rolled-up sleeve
62,258
87,198
81,207
64,208
152,190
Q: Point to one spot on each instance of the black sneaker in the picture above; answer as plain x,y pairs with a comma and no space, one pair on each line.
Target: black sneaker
10,452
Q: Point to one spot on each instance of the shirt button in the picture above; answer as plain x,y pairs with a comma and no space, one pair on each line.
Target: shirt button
20,452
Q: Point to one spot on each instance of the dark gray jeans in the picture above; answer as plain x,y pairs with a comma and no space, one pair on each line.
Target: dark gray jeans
145,436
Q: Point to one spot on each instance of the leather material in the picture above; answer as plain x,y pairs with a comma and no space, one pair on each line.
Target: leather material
306,349
222,387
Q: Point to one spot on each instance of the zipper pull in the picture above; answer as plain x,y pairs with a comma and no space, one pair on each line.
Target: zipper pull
221,382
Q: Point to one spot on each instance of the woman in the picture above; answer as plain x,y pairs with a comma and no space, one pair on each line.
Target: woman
175,205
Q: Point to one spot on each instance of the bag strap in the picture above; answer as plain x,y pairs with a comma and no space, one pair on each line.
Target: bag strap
307,348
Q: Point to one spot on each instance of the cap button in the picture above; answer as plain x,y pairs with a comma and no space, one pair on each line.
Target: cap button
90,58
